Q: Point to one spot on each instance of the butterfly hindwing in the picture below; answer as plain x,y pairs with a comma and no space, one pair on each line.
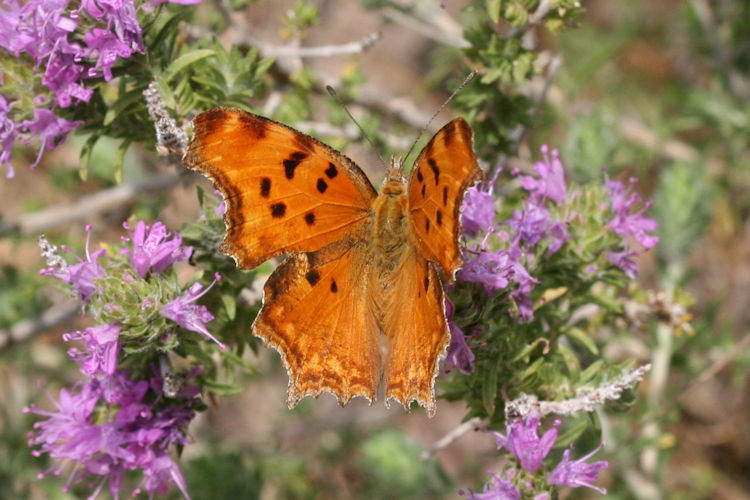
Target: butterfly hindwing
316,313
445,168
284,190
417,332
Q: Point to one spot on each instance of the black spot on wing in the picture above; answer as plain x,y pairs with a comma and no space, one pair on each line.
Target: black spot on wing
312,277
420,177
310,218
426,283
450,135
445,196
331,171
427,224
322,186
423,190
292,162
256,126
435,169
265,187
278,210
439,218
334,286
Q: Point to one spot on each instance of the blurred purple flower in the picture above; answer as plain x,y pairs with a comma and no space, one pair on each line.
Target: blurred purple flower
628,224
51,129
152,250
577,473
551,181
624,260
478,210
102,347
80,275
497,489
523,441
8,133
459,353
109,48
189,315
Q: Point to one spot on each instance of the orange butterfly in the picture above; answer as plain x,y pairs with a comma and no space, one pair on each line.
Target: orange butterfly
360,263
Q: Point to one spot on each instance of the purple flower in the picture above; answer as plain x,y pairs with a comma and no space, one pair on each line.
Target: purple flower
106,429
189,315
153,249
8,133
109,48
80,275
628,224
624,260
523,441
497,489
551,181
492,270
533,222
51,129
102,347
576,473
478,210
459,353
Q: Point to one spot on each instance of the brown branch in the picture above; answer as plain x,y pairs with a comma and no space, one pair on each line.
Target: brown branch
450,437
102,201
27,328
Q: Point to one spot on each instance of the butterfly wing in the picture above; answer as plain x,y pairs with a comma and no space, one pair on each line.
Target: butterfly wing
417,332
316,313
445,168
284,191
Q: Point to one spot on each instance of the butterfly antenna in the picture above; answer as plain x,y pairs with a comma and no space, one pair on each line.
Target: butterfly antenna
466,81
333,94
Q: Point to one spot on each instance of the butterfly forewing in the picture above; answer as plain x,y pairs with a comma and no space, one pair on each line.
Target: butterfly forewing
445,168
284,190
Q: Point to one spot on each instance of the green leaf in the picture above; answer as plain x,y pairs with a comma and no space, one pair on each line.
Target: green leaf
581,336
124,103
120,159
185,60
230,304
493,10
86,150
489,387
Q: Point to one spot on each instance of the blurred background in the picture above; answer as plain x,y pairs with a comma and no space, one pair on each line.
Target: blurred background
654,90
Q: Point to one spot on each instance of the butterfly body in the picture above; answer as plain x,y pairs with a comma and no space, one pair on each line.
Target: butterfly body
362,267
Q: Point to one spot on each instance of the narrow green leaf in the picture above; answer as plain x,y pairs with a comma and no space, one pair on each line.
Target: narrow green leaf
489,387
493,10
86,150
583,339
186,60
120,159
230,304
124,103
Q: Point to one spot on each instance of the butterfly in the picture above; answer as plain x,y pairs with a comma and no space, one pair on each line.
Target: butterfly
358,301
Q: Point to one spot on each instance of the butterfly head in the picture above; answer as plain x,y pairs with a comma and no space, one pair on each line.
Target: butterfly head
395,178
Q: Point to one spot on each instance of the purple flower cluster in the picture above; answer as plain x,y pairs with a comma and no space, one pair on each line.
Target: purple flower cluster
522,440
48,33
505,251
112,423
532,223
629,225
107,426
